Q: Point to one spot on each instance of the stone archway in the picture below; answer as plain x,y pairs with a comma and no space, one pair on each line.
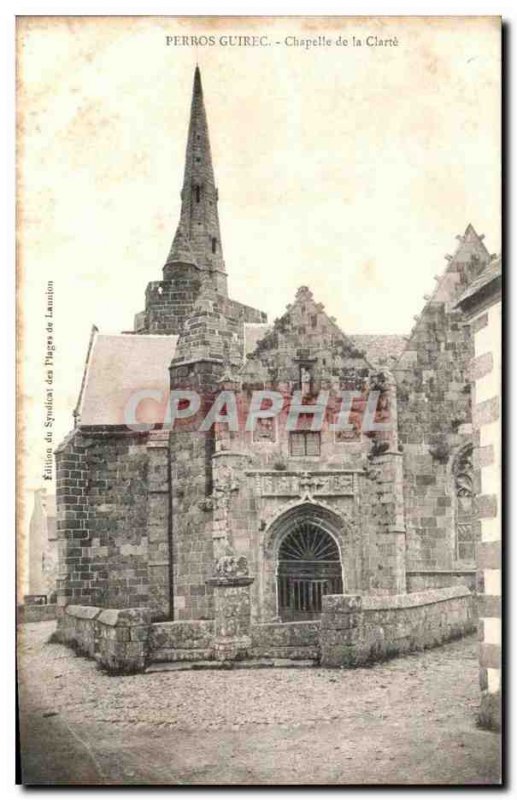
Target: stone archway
309,567
303,560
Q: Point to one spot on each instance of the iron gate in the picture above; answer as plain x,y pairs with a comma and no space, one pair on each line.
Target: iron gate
308,568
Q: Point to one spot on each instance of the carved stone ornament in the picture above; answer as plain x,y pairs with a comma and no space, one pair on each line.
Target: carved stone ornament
440,449
231,566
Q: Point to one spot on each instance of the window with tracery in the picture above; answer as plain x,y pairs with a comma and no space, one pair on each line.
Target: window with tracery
464,506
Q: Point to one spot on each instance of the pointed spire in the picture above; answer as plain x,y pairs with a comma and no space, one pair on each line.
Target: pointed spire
199,221
198,158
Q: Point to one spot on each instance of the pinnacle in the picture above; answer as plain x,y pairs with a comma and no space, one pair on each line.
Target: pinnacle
470,232
181,251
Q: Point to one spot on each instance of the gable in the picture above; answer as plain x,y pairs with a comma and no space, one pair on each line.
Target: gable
303,334
439,320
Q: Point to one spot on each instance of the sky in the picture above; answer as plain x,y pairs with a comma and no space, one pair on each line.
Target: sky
350,169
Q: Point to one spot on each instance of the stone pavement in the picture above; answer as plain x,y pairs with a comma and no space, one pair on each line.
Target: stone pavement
410,720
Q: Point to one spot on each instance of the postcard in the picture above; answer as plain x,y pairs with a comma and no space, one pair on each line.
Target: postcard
259,392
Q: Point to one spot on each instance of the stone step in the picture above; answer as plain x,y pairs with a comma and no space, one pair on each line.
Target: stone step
255,663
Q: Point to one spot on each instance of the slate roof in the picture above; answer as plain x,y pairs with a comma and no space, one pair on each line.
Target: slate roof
118,367
253,333
380,350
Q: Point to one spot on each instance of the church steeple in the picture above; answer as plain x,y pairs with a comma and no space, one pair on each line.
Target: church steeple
198,238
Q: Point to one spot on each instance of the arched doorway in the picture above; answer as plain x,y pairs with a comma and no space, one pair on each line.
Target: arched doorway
309,567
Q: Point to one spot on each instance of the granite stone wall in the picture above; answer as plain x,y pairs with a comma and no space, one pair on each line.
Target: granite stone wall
483,311
181,641
117,500
194,641
74,574
33,613
170,302
435,418
292,640
76,628
434,423
420,580
191,501
352,631
116,638
358,630
113,520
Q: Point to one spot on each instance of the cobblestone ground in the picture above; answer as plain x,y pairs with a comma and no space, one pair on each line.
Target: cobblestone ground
411,720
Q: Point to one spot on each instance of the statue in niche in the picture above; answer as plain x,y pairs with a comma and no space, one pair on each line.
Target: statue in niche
305,379
264,430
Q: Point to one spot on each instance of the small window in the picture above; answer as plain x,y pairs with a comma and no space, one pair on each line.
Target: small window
304,443
464,497
198,194
214,244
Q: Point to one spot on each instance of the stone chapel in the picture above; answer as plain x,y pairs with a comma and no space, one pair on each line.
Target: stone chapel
147,517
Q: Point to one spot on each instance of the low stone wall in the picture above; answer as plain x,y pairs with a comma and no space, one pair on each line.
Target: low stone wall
117,639
123,635
293,640
353,630
420,580
76,628
358,630
36,613
181,641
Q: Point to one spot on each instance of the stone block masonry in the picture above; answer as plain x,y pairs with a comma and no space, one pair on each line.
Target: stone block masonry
123,639
113,520
282,640
232,608
116,638
28,613
420,580
434,413
358,630
482,306
353,630
181,641
76,628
